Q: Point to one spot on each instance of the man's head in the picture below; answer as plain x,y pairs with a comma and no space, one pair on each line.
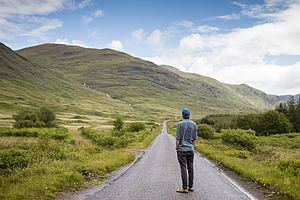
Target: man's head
186,113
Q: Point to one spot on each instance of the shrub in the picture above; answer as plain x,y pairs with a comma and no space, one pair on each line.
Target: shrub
60,133
290,166
114,139
119,122
239,154
205,131
13,158
137,126
43,117
241,139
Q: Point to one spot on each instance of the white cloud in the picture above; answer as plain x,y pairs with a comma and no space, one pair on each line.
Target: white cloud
138,34
289,79
240,56
98,13
73,42
155,38
87,19
62,41
45,26
17,18
193,42
184,23
82,4
205,29
116,44
92,33
17,7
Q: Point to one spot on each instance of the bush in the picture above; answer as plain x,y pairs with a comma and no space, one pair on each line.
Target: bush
290,166
60,133
43,117
114,139
119,122
13,158
137,126
241,139
205,131
239,154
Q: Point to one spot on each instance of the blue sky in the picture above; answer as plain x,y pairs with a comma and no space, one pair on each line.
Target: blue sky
254,42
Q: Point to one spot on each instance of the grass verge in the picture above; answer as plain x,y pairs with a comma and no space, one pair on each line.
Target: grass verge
56,166
261,167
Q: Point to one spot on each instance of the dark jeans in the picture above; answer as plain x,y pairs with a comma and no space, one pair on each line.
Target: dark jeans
186,162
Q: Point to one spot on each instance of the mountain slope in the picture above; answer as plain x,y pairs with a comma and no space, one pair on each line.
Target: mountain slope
26,84
154,90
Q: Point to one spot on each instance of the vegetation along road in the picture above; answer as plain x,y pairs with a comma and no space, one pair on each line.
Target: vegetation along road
157,176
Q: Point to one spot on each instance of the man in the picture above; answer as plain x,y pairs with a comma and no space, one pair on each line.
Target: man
186,138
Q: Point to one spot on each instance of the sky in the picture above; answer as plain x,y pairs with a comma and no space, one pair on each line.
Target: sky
253,42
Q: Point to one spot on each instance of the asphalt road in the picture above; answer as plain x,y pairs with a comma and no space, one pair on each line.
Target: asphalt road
157,176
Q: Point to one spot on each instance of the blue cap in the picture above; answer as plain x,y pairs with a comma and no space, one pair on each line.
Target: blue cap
186,111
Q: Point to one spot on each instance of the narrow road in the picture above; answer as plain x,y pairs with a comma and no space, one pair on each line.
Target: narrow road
157,176
80,138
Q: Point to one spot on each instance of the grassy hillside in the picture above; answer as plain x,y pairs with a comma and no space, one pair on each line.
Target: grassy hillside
157,91
26,84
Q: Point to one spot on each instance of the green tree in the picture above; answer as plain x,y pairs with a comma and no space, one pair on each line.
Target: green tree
282,108
47,116
250,121
118,122
292,113
275,122
205,131
297,124
218,121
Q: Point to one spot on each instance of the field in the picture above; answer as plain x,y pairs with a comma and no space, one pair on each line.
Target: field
41,163
274,165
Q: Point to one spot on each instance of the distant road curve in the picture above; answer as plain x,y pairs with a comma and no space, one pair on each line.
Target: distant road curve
157,176
80,138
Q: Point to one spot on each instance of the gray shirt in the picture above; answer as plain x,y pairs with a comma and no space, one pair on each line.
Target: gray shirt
186,134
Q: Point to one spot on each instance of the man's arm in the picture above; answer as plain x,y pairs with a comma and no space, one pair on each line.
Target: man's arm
194,141
177,144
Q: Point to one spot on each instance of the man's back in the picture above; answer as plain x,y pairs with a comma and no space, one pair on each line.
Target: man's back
186,133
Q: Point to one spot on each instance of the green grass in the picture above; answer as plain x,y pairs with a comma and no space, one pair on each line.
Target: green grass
157,93
260,167
40,181
45,167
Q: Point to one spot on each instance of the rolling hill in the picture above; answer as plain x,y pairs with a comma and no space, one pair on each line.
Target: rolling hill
26,84
102,83
150,88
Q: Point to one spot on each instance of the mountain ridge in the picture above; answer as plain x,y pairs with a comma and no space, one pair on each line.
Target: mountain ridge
154,91
108,70
25,84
